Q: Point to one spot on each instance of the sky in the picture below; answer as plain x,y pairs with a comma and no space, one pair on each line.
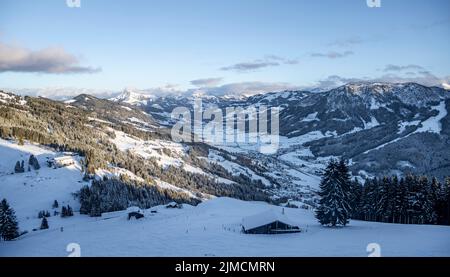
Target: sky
220,46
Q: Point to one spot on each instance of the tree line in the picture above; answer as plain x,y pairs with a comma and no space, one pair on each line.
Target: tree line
406,200
409,200
109,195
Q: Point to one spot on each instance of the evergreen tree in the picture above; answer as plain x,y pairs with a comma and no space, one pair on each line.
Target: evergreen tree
382,205
18,168
44,223
9,228
445,202
55,204
401,203
356,190
69,211
34,162
334,204
64,211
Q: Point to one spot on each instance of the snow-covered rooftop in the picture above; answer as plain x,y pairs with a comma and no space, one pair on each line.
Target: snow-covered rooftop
265,218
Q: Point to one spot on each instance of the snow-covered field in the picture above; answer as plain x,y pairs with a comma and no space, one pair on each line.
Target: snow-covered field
210,229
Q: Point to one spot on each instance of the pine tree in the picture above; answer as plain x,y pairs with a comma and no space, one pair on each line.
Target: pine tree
44,223
9,228
334,204
55,204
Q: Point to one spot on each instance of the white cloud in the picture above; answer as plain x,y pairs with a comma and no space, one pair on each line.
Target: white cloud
206,82
53,60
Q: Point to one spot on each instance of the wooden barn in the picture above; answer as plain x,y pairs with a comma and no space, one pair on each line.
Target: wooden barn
269,222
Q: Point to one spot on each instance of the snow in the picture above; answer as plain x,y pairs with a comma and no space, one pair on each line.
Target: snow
433,124
236,169
311,117
137,120
116,172
372,124
151,149
265,218
33,191
402,125
213,229
99,120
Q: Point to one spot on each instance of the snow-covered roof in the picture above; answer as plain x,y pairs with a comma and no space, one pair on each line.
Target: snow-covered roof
133,209
63,158
265,218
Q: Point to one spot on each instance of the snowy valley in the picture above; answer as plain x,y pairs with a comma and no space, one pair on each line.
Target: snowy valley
128,140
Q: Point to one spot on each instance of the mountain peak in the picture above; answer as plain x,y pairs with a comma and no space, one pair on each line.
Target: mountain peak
131,96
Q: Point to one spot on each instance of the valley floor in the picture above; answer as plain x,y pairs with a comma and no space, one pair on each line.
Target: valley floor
212,229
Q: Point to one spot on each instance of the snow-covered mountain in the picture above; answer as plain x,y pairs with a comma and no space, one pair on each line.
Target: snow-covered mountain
132,96
381,129
361,122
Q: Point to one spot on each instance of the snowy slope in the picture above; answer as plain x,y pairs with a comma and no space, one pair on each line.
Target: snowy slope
33,191
212,229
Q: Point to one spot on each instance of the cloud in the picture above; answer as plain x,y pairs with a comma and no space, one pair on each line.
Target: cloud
249,66
207,82
393,67
347,42
61,93
332,54
248,88
267,61
424,78
52,60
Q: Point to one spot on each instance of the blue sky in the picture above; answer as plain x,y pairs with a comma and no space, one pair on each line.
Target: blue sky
271,44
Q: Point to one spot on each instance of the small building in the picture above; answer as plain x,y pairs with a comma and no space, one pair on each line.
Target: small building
174,205
269,222
136,215
59,162
135,212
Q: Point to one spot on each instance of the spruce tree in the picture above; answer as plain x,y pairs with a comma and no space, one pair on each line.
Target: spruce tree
55,204
401,203
32,161
446,201
356,190
9,228
69,211
44,223
63,211
17,168
334,204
